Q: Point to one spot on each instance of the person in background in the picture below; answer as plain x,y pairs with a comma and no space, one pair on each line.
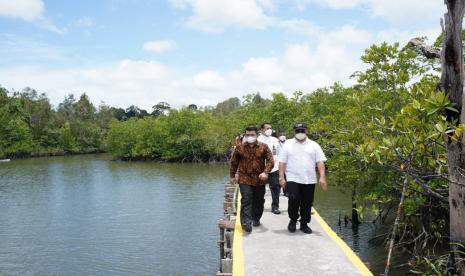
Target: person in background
273,179
297,160
239,139
253,161
281,135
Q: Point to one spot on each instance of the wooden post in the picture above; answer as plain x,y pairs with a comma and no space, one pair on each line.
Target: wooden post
226,226
226,265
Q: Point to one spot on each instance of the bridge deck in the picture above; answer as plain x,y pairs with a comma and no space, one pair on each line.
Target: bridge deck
271,250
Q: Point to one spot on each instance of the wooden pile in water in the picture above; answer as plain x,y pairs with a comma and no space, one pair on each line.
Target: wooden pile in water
226,226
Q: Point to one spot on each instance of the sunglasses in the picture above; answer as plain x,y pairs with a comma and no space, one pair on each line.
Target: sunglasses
300,130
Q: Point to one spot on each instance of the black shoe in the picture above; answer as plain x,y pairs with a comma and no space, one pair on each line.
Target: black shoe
256,223
304,228
275,211
247,228
291,226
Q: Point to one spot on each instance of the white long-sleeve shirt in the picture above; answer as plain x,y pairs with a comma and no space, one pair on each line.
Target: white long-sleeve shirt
273,144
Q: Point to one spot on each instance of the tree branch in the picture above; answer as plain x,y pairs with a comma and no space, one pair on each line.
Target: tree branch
428,51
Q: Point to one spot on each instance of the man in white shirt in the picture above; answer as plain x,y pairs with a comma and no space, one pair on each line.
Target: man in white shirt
297,160
273,178
282,139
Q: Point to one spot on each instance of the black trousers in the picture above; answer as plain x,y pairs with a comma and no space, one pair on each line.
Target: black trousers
300,201
252,201
275,189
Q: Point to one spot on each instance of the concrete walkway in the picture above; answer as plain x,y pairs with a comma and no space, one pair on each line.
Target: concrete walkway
271,250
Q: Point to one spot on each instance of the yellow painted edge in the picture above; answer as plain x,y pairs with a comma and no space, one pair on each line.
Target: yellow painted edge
238,253
347,250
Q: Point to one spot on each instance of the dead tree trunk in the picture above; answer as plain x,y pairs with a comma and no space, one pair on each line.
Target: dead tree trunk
452,84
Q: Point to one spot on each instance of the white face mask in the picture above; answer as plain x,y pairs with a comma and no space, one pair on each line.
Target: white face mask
250,139
282,138
300,136
268,132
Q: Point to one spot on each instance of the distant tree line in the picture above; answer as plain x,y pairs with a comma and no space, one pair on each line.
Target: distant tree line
31,126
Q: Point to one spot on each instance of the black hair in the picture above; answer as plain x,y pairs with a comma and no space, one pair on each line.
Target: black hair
252,128
274,134
263,125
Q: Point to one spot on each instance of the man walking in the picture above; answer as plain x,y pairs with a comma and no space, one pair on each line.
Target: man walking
282,139
273,179
297,161
253,162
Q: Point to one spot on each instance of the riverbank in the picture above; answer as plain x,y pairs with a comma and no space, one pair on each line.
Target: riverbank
219,159
215,160
49,153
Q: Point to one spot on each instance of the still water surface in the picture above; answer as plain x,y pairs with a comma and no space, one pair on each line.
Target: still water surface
87,215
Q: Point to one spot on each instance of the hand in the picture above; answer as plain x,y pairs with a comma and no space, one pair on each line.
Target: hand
282,183
263,176
323,183
233,180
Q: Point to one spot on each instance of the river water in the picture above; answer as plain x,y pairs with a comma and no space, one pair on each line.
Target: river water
88,215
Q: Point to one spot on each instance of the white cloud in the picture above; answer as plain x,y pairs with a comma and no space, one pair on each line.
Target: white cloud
340,4
405,13
300,26
121,83
412,12
19,50
159,46
209,81
347,34
403,36
29,10
47,24
216,15
84,22
334,57
262,71
301,66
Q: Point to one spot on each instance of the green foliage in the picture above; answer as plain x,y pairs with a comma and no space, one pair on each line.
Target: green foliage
30,126
16,137
67,139
227,106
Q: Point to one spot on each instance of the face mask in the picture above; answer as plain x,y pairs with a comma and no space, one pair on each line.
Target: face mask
300,136
282,138
268,132
250,139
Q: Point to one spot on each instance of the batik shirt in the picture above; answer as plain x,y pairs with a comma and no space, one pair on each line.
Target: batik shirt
250,161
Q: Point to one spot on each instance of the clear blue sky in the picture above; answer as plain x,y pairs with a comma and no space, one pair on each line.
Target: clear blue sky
140,52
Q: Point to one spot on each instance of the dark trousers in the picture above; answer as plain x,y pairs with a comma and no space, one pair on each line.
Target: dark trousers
275,189
252,201
300,201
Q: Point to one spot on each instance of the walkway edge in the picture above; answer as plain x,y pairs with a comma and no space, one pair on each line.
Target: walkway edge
347,250
238,253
